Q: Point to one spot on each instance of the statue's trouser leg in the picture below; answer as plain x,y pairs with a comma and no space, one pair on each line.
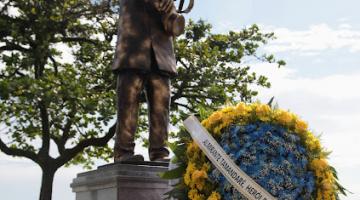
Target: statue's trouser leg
158,97
129,87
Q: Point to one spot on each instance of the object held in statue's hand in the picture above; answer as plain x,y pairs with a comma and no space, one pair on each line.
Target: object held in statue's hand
173,21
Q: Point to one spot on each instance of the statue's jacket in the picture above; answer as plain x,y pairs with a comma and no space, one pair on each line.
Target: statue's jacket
140,32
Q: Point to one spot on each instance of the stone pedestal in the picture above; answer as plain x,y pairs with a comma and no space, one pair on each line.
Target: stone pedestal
122,181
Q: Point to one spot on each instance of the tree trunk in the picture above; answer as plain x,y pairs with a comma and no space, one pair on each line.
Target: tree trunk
47,184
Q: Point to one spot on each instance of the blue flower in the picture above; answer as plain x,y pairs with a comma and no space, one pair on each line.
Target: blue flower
272,156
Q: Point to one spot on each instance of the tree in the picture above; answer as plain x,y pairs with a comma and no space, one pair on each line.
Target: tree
66,98
46,99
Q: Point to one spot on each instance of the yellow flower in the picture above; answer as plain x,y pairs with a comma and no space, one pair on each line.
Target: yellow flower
189,170
327,185
198,179
319,195
311,142
333,197
198,174
226,120
215,117
319,164
200,184
206,123
192,150
325,194
283,117
193,194
217,130
330,176
214,196
242,109
300,126
315,144
227,109
206,166
263,111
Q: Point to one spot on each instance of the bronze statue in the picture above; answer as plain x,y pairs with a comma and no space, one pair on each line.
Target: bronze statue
145,59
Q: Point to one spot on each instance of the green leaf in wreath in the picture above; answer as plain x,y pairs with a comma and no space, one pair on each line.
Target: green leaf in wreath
174,173
177,193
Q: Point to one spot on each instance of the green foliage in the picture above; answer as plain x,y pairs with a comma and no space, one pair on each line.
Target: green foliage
179,147
212,67
174,173
56,86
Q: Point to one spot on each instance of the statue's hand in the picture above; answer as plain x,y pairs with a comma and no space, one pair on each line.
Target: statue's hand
164,6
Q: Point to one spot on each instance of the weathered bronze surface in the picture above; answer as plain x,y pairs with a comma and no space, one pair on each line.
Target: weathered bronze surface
140,31
144,60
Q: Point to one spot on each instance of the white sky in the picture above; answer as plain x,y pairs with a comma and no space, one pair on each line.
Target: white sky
320,40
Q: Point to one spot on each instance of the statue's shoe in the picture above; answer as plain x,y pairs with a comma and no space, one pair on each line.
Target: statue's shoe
130,158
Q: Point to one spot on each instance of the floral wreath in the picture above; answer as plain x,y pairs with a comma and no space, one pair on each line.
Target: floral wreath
279,140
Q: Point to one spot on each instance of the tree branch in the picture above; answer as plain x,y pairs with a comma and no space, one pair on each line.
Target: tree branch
12,47
78,39
45,147
16,72
5,7
57,141
18,152
61,141
197,96
54,63
183,85
98,142
185,106
66,131
184,65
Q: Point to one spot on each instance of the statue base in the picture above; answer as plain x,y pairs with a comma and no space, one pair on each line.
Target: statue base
122,181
